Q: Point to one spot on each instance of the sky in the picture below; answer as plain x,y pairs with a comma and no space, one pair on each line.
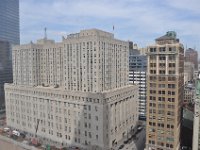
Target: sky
140,21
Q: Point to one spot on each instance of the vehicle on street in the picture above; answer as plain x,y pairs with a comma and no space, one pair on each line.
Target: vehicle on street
139,128
122,146
6,129
17,133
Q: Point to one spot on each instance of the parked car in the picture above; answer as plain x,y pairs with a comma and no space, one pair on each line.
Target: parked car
185,148
122,146
17,133
6,129
139,128
125,142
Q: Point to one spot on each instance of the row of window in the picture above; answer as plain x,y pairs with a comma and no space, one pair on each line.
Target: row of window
163,49
162,99
163,65
162,57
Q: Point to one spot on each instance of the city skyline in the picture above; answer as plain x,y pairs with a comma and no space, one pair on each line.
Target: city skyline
139,21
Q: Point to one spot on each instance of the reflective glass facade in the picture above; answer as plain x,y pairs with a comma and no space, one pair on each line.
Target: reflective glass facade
9,34
5,69
137,75
9,21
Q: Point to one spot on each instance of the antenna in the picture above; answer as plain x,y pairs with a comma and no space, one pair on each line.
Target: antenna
45,33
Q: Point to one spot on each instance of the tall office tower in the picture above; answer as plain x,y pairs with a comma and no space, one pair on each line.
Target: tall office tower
9,34
188,71
137,76
165,90
5,70
192,56
76,91
9,21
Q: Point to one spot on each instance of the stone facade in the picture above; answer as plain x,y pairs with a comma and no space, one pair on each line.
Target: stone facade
165,91
76,90
188,72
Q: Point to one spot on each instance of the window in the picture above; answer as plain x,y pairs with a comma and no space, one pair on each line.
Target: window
162,71
162,49
152,98
152,57
151,142
170,113
152,104
171,86
152,91
96,108
97,137
161,99
172,71
161,85
152,50
161,105
161,125
90,135
162,65
153,71
152,84
161,78
161,92
171,78
172,65
152,64
172,57
171,99
162,57
171,92
161,112
171,49
152,78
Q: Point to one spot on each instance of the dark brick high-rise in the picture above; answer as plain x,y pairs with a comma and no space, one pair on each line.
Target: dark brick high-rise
192,56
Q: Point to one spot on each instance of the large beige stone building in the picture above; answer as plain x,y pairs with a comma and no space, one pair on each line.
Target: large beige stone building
76,91
165,87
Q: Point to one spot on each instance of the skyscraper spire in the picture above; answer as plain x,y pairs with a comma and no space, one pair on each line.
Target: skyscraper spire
45,33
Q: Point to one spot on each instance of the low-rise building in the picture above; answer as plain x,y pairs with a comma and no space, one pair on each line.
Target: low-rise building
189,93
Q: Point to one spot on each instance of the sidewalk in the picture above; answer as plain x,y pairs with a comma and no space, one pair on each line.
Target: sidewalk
10,144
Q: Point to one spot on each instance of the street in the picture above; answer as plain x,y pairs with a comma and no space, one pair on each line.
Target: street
138,143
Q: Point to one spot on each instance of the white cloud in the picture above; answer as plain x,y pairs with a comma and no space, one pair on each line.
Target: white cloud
192,6
137,20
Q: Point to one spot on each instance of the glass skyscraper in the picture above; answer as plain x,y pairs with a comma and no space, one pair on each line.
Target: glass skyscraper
9,21
137,75
9,35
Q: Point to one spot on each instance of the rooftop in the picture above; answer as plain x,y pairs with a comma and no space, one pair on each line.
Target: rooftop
168,38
